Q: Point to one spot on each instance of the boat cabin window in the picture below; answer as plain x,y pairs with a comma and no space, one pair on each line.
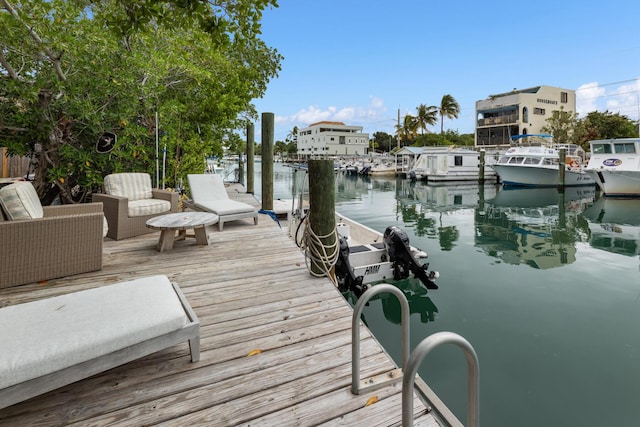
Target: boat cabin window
548,161
516,160
531,161
625,147
601,148
503,159
457,160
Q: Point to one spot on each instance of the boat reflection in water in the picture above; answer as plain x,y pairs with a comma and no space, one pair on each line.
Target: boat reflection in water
615,225
538,227
416,294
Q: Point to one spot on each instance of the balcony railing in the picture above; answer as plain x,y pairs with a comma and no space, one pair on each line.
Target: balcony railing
499,120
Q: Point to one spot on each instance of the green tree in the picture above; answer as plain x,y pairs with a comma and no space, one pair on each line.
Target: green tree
292,136
563,125
72,70
383,141
449,108
426,116
598,125
406,131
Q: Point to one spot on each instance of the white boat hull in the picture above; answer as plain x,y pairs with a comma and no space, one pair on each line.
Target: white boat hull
615,166
539,176
617,182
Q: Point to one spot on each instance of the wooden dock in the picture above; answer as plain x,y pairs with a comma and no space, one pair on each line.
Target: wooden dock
275,342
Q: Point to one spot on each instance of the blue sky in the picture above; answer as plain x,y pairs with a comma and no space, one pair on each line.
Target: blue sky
360,61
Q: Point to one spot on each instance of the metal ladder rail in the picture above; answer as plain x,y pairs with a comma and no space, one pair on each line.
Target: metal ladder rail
390,377
473,374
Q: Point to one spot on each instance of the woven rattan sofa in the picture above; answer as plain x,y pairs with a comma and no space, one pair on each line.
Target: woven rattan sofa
46,242
129,201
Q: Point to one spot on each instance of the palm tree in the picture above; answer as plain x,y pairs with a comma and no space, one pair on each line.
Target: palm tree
293,135
407,130
449,108
426,116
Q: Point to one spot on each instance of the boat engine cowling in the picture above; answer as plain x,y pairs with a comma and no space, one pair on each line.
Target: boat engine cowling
345,276
402,259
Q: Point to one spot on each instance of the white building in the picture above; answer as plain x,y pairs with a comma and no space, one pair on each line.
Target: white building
332,139
518,112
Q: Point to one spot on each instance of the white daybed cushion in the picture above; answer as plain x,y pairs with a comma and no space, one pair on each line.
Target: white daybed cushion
41,337
20,201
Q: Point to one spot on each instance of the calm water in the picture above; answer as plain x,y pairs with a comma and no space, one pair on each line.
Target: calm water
545,287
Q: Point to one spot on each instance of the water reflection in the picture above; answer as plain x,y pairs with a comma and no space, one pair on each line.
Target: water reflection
416,294
418,202
615,225
538,227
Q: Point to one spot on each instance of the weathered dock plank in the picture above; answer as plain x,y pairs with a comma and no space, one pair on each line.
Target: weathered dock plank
252,292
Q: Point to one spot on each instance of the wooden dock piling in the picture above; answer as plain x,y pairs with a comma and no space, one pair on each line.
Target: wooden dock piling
268,120
250,153
322,208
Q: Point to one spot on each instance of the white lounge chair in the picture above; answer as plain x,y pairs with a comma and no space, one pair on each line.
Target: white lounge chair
208,194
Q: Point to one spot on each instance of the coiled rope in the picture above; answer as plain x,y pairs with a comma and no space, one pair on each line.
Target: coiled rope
318,253
324,257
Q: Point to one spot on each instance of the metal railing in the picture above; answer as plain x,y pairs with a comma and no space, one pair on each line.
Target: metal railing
411,361
411,368
390,377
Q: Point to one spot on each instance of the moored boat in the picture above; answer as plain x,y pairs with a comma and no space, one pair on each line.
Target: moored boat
615,166
533,161
450,164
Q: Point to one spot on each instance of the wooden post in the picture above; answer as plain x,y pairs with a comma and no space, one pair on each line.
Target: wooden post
322,218
481,166
561,168
240,168
5,163
250,151
268,120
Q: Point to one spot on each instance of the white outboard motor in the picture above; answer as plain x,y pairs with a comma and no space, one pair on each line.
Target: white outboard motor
403,261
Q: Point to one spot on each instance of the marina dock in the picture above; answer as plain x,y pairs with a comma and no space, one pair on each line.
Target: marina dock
275,342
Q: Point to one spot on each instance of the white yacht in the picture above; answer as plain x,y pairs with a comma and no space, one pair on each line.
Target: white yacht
533,161
615,166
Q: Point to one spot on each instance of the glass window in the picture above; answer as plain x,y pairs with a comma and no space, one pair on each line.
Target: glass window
525,115
531,161
564,97
457,160
516,160
601,148
625,147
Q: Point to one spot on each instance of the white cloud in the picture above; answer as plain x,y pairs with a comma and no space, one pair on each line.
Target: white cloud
623,99
587,97
373,112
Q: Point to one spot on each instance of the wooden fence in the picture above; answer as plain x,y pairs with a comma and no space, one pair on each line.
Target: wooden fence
12,166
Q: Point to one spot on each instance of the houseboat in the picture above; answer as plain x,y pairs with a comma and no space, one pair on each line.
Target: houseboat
442,164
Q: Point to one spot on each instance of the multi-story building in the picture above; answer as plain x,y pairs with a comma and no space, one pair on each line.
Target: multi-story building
518,112
332,139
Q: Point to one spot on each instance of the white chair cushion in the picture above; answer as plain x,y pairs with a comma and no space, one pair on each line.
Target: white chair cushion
20,201
207,187
225,207
148,207
45,336
133,186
